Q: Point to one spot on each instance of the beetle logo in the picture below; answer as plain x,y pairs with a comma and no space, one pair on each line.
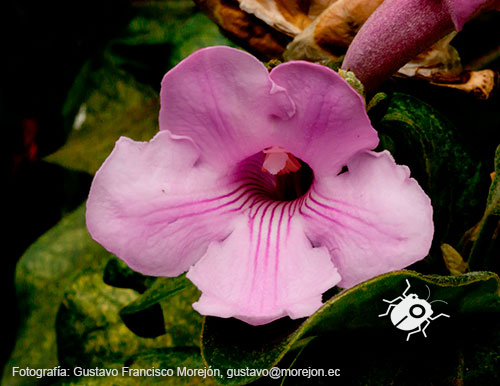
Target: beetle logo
411,313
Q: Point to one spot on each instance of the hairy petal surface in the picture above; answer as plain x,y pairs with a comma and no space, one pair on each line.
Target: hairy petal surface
265,269
396,32
157,207
373,219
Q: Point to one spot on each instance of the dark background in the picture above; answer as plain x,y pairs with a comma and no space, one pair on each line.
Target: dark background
44,45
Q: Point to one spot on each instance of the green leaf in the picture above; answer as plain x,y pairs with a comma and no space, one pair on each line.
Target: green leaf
482,352
229,343
144,315
377,106
116,92
453,260
198,32
485,253
156,22
419,136
161,289
118,274
63,271
90,332
493,203
164,302
43,273
466,353
159,36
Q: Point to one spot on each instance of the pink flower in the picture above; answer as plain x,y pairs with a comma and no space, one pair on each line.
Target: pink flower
217,192
399,30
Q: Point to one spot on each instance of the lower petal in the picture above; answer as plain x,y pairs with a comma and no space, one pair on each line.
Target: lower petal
265,269
373,218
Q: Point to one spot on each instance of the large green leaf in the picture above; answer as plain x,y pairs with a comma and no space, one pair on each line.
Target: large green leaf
485,253
43,273
93,323
465,354
63,271
229,343
420,137
90,332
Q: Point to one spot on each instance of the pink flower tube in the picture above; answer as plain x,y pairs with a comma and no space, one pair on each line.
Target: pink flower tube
399,30
245,187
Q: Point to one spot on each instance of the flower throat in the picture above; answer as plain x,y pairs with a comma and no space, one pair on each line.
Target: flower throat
293,177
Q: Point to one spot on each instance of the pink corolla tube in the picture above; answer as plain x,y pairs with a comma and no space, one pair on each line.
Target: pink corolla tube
262,234
399,30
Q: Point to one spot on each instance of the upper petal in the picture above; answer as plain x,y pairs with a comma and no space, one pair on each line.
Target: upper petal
228,103
373,219
223,99
330,123
265,269
157,207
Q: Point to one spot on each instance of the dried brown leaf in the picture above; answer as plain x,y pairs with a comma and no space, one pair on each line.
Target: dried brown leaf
288,16
329,35
245,29
480,84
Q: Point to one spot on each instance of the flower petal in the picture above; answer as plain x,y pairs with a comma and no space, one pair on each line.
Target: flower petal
223,99
330,124
265,269
228,103
373,219
462,11
157,207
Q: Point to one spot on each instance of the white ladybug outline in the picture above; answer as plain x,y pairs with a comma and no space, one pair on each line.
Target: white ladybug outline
406,307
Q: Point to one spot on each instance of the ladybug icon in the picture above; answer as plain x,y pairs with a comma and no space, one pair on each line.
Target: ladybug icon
411,313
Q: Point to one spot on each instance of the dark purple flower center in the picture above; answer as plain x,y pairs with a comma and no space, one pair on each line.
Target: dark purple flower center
292,185
284,185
